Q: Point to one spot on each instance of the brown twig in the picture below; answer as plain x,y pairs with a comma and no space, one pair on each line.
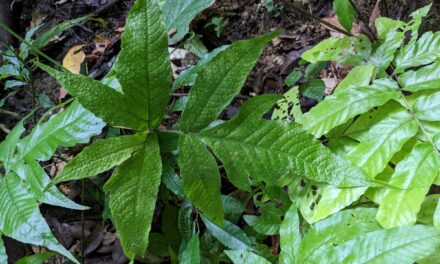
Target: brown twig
317,18
371,34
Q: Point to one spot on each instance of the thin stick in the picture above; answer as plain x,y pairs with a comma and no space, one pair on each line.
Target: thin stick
369,32
317,18
15,35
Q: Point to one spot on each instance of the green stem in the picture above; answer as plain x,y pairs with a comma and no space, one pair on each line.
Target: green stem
37,51
407,105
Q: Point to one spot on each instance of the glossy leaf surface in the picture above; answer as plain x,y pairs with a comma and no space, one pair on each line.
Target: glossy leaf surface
20,217
337,109
414,175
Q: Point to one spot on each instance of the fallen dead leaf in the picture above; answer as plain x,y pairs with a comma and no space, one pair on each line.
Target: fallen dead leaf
74,58
375,14
72,62
356,29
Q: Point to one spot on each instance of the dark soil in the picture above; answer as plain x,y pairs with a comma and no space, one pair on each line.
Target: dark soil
247,18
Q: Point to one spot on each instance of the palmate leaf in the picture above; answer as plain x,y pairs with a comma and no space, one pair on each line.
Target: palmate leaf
421,52
220,80
101,156
132,192
74,125
335,110
20,217
426,78
143,67
250,147
345,12
201,178
353,236
414,175
103,101
178,15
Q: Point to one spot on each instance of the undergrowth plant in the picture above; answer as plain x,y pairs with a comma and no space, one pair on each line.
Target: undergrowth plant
24,186
251,149
278,165
384,118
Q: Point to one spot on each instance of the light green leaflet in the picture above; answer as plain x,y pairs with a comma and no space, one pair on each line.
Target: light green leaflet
421,52
67,128
290,237
73,126
353,236
3,256
36,178
383,140
20,217
358,76
337,109
9,146
178,15
132,192
244,256
143,67
384,25
426,78
220,80
414,175
428,209
345,12
347,50
427,107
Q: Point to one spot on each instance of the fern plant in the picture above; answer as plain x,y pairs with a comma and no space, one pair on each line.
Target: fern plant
251,149
383,117
24,185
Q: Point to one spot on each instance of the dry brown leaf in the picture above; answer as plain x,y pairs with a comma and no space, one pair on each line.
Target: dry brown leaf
74,58
356,29
72,62
375,14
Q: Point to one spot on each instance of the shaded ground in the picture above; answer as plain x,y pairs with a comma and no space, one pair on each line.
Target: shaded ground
247,18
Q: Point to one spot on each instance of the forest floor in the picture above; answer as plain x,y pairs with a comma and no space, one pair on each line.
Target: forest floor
246,19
